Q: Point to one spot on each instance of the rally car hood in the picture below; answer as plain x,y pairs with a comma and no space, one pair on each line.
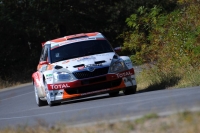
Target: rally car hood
97,60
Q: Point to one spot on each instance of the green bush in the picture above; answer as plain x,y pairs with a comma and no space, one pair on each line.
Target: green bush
171,41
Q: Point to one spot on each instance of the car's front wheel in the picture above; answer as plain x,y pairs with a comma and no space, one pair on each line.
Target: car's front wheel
37,99
130,90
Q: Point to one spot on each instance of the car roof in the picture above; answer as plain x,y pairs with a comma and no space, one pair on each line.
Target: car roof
74,38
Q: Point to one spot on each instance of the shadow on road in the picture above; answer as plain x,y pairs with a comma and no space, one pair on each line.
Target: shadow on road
89,99
159,86
170,82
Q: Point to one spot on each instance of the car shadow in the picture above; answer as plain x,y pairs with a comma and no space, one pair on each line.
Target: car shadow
161,86
154,87
90,98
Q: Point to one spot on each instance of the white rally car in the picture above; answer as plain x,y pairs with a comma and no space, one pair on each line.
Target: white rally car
81,65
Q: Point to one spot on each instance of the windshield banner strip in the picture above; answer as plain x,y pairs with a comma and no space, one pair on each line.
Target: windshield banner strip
76,40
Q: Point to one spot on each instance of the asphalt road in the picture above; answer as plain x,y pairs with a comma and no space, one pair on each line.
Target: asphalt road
18,107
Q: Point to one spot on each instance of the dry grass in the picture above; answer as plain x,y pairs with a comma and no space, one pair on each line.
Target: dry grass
151,79
8,83
15,78
15,81
185,122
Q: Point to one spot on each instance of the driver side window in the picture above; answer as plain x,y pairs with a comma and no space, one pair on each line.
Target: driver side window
44,54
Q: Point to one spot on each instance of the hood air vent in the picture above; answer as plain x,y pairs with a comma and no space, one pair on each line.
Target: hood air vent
58,67
81,65
99,62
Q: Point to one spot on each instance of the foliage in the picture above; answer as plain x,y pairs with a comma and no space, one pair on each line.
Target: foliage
153,79
25,24
138,39
169,41
181,122
146,117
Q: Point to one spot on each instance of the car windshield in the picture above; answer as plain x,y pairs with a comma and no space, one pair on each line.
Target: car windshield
80,49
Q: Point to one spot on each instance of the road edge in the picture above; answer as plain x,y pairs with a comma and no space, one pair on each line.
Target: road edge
133,118
15,87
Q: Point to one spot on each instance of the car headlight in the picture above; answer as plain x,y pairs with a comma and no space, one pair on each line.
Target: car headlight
62,76
117,66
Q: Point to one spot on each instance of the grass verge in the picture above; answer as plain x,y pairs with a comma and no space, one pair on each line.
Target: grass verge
5,84
15,80
186,122
153,79
9,83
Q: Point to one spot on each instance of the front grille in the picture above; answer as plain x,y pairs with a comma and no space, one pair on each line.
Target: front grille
87,74
95,87
93,80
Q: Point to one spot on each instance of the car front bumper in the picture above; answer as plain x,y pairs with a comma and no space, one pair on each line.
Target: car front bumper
91,86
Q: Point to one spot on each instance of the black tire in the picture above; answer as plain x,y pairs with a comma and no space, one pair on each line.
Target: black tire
114,93
39,102
130,90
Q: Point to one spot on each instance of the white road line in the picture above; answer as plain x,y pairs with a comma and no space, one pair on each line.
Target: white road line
95,107
16,96
167,113
15,87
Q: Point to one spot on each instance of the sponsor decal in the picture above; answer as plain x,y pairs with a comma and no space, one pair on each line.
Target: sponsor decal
124,74
49,75
58,86
83,58
76,40
127,61
90,65
49,79
86,58
56,93
65,62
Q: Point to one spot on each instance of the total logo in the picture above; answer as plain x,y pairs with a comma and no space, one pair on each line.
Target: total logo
124,74
58,86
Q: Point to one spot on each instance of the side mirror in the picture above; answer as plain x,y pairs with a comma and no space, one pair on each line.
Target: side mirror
44,63
118,49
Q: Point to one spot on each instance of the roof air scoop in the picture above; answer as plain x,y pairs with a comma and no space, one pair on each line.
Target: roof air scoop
77,36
